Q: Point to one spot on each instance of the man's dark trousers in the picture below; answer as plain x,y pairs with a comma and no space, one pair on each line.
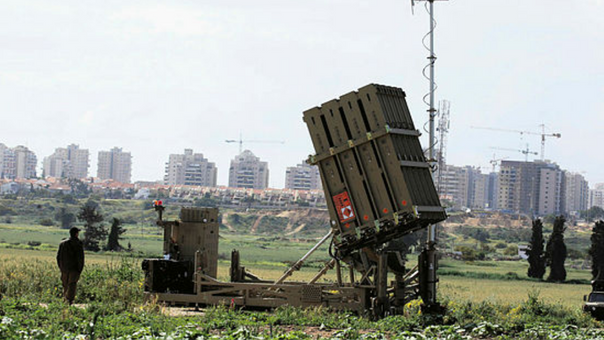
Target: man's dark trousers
70,284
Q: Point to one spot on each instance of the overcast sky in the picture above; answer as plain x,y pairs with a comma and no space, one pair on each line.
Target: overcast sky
156,77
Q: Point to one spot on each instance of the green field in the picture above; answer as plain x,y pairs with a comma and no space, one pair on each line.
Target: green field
484,299
144,240
111,305
502,281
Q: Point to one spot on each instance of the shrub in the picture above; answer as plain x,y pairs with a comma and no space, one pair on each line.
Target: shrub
511,250
470,254
5,211
47,222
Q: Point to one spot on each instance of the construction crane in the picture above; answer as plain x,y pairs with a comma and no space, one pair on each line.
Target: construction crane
496,161
525,152
241,141
542,134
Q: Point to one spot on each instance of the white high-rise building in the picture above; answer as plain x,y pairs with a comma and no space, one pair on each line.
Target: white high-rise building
190,169
535,188
115,164
70,162
17,162
303,177
248,171
596,196
26,162
577,192
480,190
492,188
3,150
551,191
464,186
455,185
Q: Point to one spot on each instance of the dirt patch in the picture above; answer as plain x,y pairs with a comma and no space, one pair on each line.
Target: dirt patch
225,222
256,224
297,230
182,311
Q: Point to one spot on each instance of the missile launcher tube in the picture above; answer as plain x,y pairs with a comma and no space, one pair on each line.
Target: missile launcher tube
377,182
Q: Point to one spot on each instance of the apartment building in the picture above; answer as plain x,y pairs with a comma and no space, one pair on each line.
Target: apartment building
115,164
534,188
551,191
577,192
190,169
303,177
17,162
69,162
465,186
454,185
596,196
3,150
248,171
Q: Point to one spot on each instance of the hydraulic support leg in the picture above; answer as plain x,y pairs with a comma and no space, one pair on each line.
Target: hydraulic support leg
381,303
428,264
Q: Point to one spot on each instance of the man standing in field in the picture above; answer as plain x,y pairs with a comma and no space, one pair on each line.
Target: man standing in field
70,259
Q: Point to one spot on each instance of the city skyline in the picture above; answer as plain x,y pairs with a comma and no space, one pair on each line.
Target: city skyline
39,169
537,187
157,78
533,188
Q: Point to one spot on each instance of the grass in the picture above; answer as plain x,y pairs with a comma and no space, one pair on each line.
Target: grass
261,249
465,287
111,289
511,292
485,299
147,240
514,269
144,239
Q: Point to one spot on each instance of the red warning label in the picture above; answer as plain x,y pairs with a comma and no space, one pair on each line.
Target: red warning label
343,207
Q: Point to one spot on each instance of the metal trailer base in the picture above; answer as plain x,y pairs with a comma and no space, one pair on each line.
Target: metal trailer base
268,295
370,295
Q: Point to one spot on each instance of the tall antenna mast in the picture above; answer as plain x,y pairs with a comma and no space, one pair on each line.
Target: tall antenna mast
443,129
432,59
429,252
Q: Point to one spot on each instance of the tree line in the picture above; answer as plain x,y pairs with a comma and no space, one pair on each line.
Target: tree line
94,229
553,255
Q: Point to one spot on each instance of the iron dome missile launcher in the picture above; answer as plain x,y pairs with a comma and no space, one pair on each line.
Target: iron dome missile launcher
379,188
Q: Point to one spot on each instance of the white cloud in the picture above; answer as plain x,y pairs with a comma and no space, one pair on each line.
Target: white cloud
86,119
167,19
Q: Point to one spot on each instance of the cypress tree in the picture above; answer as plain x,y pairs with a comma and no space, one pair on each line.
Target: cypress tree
596,251
113,241
94,231
556,251
65,218
535,254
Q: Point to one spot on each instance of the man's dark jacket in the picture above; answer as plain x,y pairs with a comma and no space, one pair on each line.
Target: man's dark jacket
70,256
